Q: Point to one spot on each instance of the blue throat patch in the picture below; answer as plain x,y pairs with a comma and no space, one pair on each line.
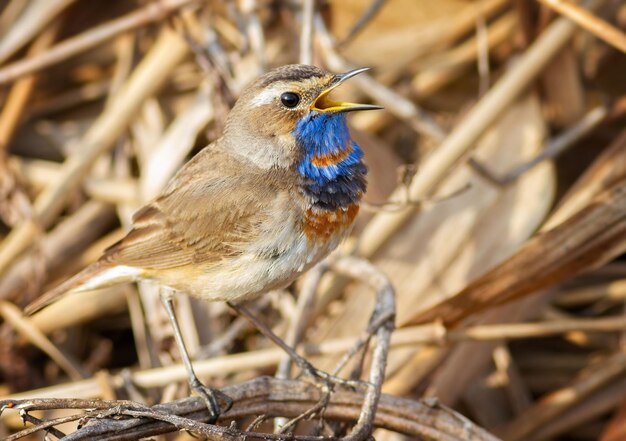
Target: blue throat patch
336,183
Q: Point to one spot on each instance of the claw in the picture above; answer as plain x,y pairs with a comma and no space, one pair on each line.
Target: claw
210,398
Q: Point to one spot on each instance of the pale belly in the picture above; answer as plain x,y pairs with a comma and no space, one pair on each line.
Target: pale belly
272,262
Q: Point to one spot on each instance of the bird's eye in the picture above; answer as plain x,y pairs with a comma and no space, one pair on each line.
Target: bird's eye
290,99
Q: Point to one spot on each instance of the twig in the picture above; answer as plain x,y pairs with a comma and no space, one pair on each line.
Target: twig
306,33
411,336
424,420
298,323
364,271
236,328
398,105
95,36
585,19
32,20
363,20
45,425
302,363
557,402
13,316
254,29
482,49
154,70
553,148
363,340
385,307
319,407
95,408
27,418
300,319
467,132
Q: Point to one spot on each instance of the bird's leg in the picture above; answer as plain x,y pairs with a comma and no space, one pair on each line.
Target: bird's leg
208,395
300,361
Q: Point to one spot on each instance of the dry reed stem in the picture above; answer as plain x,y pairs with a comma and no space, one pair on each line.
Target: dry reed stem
585,19
555,147
15,206
31,21
55,249
175,144
153,71
443,68
21,91
468,130
591,237
14,317
39,173
595,406
555,403
392,101
302,315
433,334
93,305
154,11
614,290
306,32
452,45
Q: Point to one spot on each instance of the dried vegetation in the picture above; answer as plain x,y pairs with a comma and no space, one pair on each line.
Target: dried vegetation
496,207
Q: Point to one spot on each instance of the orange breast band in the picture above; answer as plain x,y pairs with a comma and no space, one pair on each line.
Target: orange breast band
321,224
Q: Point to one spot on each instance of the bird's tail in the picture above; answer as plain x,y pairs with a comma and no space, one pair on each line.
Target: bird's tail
95,276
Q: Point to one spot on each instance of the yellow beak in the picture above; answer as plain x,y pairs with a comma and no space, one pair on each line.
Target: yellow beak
324,104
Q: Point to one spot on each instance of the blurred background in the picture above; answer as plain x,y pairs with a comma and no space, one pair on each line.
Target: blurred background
496,201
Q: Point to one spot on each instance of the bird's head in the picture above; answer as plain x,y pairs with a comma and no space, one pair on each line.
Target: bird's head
281,107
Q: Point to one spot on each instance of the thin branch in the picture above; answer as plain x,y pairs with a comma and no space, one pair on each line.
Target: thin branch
552,149
14,317
364,271
555,403
306,34
395,103
468,131
430,334
585,19
152,72
363,21
302,315
96,36
425,420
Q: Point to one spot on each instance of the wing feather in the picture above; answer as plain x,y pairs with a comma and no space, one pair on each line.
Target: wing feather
208,212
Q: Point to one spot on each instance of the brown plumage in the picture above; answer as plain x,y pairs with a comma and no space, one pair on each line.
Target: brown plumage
239,218
202,219
251,211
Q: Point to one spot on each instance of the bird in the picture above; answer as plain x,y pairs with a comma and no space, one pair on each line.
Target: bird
249,213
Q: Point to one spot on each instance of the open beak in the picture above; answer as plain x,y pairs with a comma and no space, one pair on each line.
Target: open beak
324,104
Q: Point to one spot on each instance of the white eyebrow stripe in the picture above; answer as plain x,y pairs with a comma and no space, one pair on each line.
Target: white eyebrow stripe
264,97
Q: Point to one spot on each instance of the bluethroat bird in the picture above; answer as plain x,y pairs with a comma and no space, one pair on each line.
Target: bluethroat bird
253,210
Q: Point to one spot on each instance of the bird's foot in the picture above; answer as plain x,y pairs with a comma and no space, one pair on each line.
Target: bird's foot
210,397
